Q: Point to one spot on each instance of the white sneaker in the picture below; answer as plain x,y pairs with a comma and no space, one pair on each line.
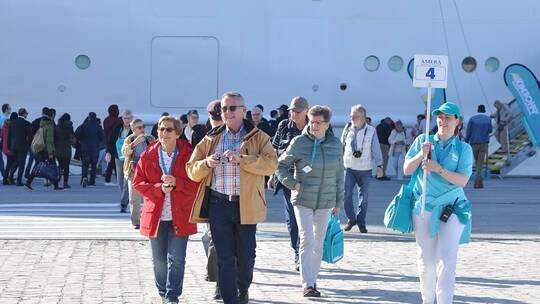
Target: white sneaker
111,184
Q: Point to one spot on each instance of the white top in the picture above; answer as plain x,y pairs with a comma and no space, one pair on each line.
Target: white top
188,132
371,151
166,214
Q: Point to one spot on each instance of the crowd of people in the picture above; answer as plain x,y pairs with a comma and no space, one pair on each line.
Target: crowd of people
183,172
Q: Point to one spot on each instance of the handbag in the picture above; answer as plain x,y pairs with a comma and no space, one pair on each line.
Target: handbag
398,214
333,245
48,170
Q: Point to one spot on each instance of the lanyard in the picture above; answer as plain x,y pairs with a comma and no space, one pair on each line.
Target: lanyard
162,164
353,142
316,143
232,143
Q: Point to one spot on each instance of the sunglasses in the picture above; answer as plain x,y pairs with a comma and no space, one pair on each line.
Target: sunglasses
169,130
230,108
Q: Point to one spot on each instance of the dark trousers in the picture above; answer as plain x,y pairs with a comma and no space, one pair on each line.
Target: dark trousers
63,162
89,159
11,165
235,247
480,152
20,159
290,218
110,167
2,167
360,178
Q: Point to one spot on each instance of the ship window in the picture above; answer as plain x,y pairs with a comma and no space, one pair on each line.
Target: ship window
371,63
395,63
343,86
82,62
492,64
468,64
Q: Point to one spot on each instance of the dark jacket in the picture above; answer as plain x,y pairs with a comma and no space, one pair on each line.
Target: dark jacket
383,133
90,134
63,138
199,132
111,143
111,121
265,127
21,135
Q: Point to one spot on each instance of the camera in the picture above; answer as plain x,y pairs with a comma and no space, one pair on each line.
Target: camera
357,154
223,160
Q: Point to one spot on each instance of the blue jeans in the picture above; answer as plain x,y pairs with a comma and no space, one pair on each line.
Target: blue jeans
169,260
290,218
235,247
360,178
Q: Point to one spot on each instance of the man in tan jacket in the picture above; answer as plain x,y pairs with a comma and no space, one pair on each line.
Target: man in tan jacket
231,163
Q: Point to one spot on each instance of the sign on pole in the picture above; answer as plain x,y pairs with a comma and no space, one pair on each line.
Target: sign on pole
430,71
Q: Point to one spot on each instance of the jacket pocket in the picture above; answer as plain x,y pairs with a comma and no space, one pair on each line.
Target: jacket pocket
261,196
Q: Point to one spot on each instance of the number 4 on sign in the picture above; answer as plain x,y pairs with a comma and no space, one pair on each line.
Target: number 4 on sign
430,73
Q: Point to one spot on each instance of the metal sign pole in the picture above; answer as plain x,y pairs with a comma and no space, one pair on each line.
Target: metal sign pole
424,179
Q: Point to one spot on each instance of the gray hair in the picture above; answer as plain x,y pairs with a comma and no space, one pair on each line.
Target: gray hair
127,112
323,111
358,109
235,95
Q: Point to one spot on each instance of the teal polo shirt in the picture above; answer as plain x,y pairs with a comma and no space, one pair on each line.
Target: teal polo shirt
455,156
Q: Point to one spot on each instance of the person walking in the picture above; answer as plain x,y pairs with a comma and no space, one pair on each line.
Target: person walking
503,118
361,151
287,130
90,135
46,124
64,138
161,178
21,138
478,130
11,164
317,189
399,142
230,163
109,124
132,149
114,150
445,220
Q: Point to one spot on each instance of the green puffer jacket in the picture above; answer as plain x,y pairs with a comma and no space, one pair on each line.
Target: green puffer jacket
323,186
48,135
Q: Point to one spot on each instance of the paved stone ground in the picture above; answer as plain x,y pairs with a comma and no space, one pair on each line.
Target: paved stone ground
501,265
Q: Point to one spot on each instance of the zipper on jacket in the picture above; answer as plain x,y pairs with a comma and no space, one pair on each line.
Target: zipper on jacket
322,177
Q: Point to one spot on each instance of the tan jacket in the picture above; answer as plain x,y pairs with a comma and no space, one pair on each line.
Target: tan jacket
257,160
127,151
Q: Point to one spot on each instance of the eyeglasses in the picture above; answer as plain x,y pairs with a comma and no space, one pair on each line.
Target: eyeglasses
169,130
230,108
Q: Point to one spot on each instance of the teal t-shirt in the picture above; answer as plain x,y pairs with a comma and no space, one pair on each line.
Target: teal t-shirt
455,156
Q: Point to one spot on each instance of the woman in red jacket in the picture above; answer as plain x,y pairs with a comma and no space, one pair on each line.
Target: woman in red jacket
160,177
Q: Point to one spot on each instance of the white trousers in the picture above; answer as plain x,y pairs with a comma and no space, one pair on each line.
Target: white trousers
312,226
395,166
437,258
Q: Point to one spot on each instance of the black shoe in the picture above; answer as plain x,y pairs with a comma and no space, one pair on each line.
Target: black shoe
84,182
362,228
123,209
311,292
349,226
5,182
137,227
243,295
28,186
217,293
58,188
297,266
66,186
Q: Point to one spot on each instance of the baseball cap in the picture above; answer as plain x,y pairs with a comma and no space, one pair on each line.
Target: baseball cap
448,108
298,103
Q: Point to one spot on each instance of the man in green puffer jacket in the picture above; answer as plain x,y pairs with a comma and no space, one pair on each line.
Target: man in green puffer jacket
317,186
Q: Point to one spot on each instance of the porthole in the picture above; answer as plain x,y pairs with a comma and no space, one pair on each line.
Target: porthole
492,64
372,63
82,62
395,63
468,64
343,86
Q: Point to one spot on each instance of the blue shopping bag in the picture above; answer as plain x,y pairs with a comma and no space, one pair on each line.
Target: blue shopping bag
398,214
333,246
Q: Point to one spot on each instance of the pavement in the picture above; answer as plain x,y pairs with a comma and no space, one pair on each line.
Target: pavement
74,246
